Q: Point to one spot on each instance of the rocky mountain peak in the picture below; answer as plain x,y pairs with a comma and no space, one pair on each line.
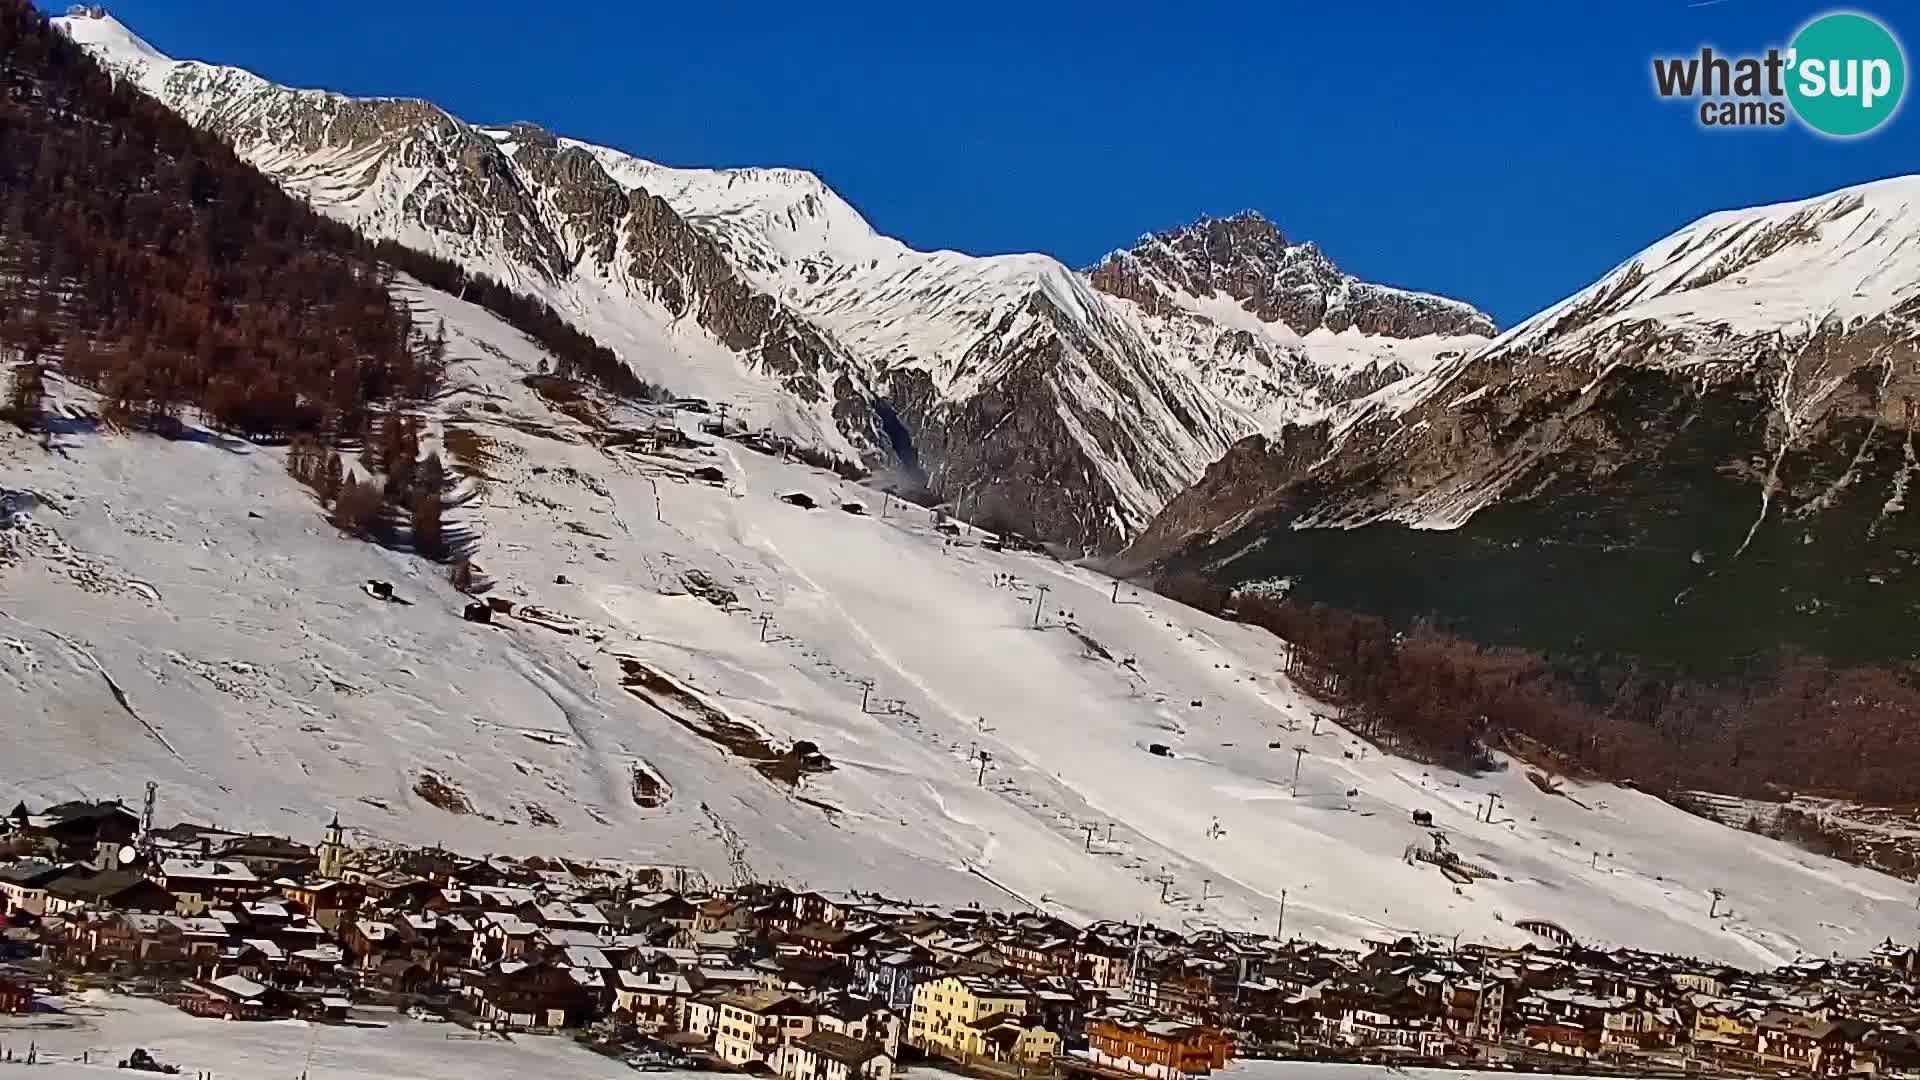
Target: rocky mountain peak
1245,258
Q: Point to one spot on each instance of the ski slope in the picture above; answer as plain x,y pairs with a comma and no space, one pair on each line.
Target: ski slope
180,611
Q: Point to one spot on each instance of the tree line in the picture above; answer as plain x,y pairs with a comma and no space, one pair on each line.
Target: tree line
1794,723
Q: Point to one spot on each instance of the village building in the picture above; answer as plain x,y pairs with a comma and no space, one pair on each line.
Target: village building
23,886
889,976
966,1018
518,995
863,1019
235,997
124,890
90,832
828,1055
1164,1049
1804,1043
754,1027
652,1000
198,885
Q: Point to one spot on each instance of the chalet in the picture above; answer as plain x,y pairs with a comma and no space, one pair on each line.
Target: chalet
1713,981
1474,1009
1038,956
828,1055
83,830
501,936
1392,1018
122,890
517,994
1101,961
720,914
198,885
432,940
755,1027
1637,1027
830,909
24,886
319,964
565,916
326,900
235,997
800,973
862,1019
1722,1026
371,942
400,975
1821,1047
1159,1048
890,976
665,918
1011,1039
819,939
651,1000
1887,1050
149,943
1561,1038
268,856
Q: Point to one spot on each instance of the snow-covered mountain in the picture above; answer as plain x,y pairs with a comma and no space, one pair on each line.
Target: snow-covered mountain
1070,405
1723,423
179,610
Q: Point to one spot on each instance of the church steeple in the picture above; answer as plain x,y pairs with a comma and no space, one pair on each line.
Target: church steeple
333,849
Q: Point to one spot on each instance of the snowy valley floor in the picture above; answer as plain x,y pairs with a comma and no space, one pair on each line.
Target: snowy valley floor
180,611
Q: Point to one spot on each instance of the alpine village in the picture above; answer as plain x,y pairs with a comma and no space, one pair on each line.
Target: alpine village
663,969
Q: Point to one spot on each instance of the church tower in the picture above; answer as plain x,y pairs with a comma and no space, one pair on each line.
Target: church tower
333,850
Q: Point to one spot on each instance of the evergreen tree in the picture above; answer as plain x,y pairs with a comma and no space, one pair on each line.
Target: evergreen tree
429,536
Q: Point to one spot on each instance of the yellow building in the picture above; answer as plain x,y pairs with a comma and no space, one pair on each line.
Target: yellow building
967,1017
1725,1026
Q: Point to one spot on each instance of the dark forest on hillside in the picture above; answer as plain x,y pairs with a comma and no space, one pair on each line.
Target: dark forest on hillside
1797,723
162,271
166,274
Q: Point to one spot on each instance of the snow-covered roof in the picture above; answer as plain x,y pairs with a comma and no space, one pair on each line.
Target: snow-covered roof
216,870
239,986
582,956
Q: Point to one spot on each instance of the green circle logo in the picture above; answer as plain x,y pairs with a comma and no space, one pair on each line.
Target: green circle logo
1847,74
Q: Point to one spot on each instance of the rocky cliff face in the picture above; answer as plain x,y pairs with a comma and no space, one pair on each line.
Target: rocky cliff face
1277,327
1068,406
1244,258
1707,453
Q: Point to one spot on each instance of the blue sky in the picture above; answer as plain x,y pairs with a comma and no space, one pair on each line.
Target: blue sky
1505,153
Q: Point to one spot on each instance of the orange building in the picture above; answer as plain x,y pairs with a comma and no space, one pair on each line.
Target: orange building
1160,1048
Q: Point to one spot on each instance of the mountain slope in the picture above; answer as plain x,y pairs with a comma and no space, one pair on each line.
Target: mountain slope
1705,453
179,610
1040,396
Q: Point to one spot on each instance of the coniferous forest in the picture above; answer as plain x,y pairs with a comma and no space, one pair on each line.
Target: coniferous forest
1790,722
168,275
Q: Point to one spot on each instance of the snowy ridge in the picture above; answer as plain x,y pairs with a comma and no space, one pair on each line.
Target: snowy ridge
263,687
958,345
1792,297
